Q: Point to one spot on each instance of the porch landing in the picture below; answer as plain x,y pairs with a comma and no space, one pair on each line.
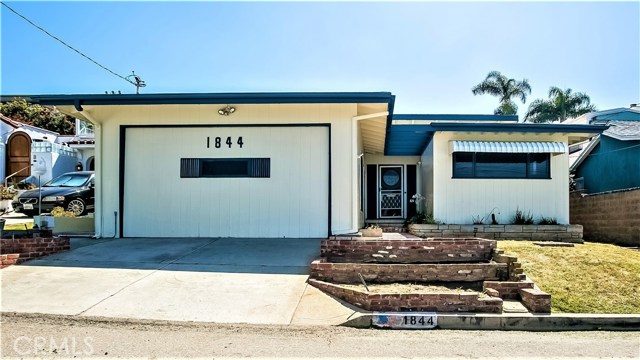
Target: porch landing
385,236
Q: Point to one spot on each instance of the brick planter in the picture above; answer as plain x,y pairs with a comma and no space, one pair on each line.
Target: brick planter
565,233
444,250
347,273
464,302
15,251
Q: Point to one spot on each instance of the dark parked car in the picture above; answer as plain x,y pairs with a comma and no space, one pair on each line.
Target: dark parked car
73,191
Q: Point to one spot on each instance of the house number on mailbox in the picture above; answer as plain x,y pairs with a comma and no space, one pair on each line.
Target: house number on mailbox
219,142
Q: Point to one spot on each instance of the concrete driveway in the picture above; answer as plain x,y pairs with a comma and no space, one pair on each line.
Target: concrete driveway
258,281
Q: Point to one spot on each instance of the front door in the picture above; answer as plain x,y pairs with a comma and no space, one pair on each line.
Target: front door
19,155
390,192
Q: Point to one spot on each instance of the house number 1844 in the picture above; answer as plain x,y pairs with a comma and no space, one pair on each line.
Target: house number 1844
219,142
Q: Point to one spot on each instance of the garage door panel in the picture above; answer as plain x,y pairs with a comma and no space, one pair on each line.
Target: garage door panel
292,202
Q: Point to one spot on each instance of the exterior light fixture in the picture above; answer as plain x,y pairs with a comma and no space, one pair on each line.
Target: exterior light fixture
226,111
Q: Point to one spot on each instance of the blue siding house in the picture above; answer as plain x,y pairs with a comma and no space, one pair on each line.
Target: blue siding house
610,161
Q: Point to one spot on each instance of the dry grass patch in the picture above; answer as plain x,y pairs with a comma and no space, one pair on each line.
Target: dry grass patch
416,288
21,226
587,278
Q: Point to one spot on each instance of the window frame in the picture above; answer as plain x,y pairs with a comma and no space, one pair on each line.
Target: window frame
474,162
195,168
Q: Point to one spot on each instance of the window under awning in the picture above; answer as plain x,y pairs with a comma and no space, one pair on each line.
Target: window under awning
509,147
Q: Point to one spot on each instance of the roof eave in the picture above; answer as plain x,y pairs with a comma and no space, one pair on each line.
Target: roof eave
456,117
583,155
79,100
520,127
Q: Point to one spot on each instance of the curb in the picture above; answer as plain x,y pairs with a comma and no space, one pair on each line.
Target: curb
524,322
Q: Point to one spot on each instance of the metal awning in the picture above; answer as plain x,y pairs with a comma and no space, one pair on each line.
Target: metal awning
509,147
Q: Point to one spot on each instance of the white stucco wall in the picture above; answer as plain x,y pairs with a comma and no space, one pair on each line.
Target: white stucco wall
109,119
456,201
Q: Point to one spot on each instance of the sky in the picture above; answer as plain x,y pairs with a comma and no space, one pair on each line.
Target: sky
428,54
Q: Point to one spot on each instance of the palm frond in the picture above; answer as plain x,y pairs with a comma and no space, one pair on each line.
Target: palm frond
487,87
561,105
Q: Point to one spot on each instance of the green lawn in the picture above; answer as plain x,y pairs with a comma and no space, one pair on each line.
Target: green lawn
587,278
18,226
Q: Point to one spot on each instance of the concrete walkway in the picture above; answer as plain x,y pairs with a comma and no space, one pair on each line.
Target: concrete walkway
16,218
258,281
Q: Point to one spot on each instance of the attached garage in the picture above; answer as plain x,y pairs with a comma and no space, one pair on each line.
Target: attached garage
239,165
226,181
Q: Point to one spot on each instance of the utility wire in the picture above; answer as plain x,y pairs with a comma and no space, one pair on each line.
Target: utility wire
67,45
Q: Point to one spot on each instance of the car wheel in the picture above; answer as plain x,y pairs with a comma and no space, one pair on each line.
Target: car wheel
76,206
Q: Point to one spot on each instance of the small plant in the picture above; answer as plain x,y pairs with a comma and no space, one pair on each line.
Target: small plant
61,212
7,193
477,220
520,218
373,226
417,199
422,218
25,186
548,221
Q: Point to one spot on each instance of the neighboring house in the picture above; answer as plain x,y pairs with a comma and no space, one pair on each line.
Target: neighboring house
83,142
310,164
25,147
610,161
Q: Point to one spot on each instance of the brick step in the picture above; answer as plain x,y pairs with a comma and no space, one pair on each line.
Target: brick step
393,229
349,273
440,302
421,251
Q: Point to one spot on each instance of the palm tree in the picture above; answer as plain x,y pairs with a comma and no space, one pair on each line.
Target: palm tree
499,85
562,105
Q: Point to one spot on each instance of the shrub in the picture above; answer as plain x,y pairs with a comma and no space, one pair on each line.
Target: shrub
7,193
520,218
61,212
422,218
477,220
548,221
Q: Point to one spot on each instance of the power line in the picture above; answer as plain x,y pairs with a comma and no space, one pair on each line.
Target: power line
138,82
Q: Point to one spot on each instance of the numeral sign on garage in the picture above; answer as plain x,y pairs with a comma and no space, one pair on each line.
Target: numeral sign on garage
222,142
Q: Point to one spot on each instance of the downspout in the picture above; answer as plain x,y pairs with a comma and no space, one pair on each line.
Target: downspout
354,167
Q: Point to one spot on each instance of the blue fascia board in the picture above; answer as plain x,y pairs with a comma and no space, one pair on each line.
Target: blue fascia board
213,98
414,139
521,127
456,117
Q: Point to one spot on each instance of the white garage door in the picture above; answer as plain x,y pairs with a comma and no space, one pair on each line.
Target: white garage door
226,182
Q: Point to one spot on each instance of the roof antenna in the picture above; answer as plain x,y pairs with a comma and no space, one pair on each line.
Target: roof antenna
138,81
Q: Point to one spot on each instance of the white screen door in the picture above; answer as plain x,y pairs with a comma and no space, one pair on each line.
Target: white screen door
390,192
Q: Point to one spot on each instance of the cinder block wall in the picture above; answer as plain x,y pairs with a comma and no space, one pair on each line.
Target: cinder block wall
609,217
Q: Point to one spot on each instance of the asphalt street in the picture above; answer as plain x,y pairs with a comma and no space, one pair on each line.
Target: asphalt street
67,337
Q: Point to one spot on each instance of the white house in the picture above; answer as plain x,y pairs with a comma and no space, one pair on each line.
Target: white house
83,142
24,146
309,164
